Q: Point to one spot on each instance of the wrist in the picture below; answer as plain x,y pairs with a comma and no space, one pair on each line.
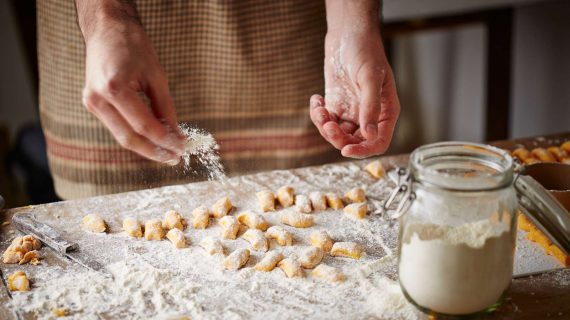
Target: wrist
100,16
353,16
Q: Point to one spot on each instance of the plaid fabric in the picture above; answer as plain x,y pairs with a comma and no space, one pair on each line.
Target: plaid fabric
243,70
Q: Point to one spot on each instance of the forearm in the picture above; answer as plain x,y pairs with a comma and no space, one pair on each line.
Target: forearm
94,15
356,15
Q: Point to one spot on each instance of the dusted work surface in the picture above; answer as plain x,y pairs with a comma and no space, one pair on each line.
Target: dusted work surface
151,279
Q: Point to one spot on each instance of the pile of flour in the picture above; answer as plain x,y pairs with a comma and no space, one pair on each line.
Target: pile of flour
464,269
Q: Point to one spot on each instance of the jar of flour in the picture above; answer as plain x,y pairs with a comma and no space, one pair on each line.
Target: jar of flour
458,233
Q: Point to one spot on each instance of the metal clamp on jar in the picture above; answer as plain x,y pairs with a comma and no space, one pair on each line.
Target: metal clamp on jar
457,215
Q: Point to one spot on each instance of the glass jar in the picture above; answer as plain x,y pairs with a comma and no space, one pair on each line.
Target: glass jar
458,236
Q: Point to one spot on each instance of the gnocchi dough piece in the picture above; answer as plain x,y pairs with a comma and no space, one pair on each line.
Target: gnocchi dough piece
321,239
347,250
303,204
230,227
376,169
328,273
201,218
280,235
286,196
176,236
310,257
253,220
13,254
212,246
221,207
266,200
59,312
257,239
291,267
558,153
297,219
153,230
132,227
355,195
173,219
269,261
236,259
542,155
356,210
318,201
566,146
31,243
18,281
334,201
522,154
94,223
29,256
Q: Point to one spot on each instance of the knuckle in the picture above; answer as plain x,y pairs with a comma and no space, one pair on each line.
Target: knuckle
126,140
90,100
113,87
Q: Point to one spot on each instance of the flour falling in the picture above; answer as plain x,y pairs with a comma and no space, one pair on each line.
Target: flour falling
203,147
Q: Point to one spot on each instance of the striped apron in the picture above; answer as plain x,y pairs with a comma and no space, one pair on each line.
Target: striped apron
243,70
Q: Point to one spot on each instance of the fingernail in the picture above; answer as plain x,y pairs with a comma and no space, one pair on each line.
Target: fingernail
372,129
173,162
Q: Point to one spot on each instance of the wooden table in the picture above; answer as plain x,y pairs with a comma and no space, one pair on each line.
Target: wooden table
537,297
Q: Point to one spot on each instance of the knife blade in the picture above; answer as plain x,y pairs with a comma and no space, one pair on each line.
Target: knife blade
26,223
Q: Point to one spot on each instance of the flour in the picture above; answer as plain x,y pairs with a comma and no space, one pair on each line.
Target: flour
203,147
464,269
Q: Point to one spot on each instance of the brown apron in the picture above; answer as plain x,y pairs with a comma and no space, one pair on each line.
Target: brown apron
244,70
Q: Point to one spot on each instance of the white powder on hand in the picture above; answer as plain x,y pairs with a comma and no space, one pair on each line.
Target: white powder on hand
456,270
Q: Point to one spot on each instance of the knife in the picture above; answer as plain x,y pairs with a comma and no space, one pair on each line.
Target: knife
52,238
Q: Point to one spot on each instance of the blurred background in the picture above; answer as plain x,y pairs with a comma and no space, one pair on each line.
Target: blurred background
474,70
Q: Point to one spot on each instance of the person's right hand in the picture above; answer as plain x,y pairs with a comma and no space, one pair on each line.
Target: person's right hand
120,65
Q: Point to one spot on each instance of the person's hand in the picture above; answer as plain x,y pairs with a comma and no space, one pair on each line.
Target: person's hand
360,108
121,65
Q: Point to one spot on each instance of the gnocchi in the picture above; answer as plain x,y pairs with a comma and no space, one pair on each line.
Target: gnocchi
318,201
334,201
230,227
321,239
286,196
132,227
269,261
212,246
35,243
94,223
266,200
22,250
356,210
201,218
355,195
153,230
310,257
221,207
375,169
542,155
236,259
297,219
18,281
328,273
257,239
347,250
303,204
253,220
291,267
176,236
29,256
173,219
280,235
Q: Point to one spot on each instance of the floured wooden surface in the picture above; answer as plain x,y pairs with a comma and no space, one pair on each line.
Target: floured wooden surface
154,280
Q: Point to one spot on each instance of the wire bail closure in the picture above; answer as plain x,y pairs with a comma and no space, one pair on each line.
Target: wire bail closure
405,195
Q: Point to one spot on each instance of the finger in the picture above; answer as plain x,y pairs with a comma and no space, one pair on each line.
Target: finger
143,121
361,150
162,104
318,113
128,138
337,137
370,104
389,113
348,126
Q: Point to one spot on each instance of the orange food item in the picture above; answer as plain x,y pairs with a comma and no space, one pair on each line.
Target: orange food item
554,251
522,154
537,236
524,223
557,153
566,146
542,155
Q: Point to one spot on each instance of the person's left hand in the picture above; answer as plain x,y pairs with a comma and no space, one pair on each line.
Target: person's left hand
360,108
